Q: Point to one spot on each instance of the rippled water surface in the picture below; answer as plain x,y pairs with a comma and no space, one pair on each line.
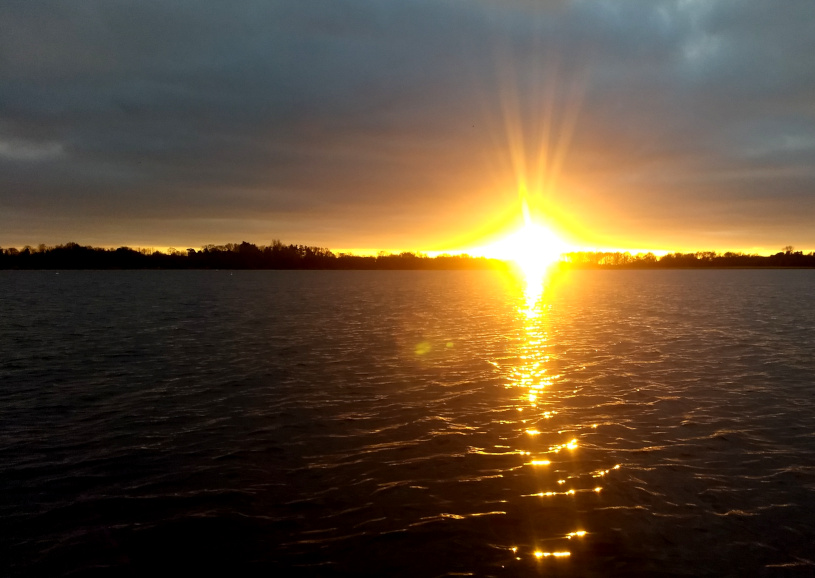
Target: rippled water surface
315,423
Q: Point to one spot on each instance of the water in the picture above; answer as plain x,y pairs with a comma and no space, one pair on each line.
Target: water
310,423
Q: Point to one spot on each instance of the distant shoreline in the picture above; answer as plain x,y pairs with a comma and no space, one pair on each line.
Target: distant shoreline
246,256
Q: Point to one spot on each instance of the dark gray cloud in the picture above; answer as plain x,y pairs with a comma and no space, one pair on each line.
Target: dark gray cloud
379,123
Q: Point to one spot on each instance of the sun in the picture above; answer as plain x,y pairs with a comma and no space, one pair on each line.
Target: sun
533,247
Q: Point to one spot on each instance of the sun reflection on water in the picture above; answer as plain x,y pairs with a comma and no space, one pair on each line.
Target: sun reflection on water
531,374
562,465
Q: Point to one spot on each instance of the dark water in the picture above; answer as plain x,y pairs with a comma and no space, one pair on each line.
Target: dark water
407,424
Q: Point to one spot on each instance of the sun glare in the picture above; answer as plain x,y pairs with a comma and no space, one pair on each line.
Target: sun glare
533,247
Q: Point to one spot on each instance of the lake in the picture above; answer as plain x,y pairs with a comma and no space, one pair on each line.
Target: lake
407,423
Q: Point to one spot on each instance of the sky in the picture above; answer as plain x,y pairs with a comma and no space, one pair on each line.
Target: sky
408,125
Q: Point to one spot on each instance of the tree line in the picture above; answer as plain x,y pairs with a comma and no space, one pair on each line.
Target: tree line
788,257
230,256
281,256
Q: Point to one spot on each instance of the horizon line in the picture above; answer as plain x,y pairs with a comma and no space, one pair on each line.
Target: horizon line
369,252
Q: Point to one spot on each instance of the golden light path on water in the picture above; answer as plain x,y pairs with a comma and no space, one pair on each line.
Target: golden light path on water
557,466
532,376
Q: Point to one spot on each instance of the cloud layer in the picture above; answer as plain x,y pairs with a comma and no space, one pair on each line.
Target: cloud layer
371,123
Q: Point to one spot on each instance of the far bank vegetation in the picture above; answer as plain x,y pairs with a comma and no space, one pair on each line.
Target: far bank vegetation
281,256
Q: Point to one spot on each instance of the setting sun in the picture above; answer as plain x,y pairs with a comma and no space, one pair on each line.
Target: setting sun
533,247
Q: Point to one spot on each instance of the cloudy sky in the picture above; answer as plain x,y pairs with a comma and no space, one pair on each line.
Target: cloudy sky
408,124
